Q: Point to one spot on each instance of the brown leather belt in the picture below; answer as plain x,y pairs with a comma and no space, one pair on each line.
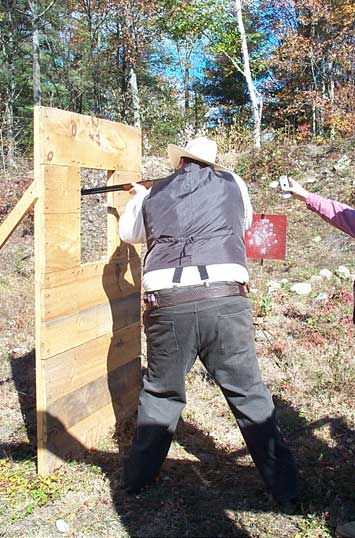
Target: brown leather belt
189,294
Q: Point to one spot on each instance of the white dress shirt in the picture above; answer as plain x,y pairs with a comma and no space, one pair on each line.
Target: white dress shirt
132,230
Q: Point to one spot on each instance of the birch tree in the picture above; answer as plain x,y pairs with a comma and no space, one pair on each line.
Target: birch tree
136,106
255,96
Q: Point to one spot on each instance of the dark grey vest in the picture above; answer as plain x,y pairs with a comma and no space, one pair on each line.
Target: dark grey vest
194,217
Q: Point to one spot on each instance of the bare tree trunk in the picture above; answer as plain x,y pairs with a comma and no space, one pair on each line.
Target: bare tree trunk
36,53
185,70
196,110
93,64
36,68
35,17
255,97
331,96
3,160
325,95
10,127
135,98
318,87
331,91
314,120
186,87
10,92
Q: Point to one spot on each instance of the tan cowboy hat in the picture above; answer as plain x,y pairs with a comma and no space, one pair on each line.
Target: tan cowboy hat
200,149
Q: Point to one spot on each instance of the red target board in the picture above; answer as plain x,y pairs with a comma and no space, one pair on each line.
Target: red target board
266,238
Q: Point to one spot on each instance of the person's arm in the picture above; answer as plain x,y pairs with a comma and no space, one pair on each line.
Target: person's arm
248,208
335,213
131,225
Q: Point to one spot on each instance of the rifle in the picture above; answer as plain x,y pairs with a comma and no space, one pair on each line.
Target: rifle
113,188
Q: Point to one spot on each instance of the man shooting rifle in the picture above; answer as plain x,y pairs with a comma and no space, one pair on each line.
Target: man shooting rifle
195,291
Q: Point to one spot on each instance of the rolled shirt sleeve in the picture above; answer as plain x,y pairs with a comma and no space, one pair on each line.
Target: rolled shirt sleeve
248,208
131,225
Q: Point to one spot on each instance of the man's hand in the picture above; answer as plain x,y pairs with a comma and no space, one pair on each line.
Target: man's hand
138,188
297,190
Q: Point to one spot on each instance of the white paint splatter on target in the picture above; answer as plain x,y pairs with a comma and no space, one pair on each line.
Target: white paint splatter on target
262,236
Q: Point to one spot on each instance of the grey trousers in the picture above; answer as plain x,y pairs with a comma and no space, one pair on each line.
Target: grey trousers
220,332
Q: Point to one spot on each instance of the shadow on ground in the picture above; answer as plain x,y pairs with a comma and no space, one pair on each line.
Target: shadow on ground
213,492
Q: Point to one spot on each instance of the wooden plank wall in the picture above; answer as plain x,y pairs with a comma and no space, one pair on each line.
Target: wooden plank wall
87,316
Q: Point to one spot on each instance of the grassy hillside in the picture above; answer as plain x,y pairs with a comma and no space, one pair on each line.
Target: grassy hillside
208,486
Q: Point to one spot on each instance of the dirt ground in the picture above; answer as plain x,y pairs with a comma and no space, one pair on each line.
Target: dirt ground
208,486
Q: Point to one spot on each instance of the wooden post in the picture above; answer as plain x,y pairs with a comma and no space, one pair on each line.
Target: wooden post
29,198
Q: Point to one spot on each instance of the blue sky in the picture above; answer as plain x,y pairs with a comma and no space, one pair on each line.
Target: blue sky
172,70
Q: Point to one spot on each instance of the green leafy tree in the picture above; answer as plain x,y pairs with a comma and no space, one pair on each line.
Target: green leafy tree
185,24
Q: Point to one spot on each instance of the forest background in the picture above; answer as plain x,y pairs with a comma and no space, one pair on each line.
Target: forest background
177,68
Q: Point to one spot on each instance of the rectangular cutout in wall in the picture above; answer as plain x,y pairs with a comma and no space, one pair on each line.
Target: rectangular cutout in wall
93,217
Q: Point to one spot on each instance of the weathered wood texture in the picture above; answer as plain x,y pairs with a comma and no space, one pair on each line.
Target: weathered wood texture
70,139
87,316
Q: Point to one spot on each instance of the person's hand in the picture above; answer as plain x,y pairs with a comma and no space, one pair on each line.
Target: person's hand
138,189
297,190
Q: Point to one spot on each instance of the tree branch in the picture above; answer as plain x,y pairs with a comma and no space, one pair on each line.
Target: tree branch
235,64
22,12
238,68
46,9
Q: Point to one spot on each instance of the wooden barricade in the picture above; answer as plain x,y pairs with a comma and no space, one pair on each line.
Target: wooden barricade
87,315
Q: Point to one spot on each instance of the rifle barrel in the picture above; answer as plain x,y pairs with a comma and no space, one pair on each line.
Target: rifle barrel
112,188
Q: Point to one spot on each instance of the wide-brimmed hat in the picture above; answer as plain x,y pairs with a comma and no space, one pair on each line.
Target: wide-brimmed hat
200,149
